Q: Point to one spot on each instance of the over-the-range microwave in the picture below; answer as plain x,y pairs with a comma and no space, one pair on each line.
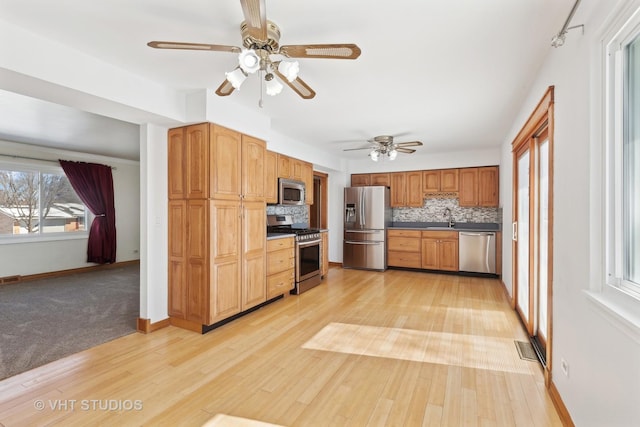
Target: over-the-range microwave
290,192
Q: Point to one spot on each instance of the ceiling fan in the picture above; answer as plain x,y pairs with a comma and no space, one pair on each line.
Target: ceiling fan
384,145
262,52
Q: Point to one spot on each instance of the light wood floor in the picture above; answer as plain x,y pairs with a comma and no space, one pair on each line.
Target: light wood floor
364,349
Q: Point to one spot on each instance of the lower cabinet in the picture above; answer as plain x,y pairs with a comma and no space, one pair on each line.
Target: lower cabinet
280,266
217,267
403,248
429,250
439,250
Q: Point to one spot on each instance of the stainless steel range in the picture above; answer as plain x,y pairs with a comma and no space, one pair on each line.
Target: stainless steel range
308,250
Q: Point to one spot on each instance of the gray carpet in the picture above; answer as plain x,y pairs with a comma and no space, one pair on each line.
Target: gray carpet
46,319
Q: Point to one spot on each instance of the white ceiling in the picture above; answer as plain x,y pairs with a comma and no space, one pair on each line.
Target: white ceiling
451,73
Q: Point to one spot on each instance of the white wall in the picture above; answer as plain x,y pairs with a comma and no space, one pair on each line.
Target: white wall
603,385
46,256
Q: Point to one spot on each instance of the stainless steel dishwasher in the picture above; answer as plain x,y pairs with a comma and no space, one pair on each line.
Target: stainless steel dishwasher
477,252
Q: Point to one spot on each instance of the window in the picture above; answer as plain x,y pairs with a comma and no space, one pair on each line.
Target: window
623,158
37,201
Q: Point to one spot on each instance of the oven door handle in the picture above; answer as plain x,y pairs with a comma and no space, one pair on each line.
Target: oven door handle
308,243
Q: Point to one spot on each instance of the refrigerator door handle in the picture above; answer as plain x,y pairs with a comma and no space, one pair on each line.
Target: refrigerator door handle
362,209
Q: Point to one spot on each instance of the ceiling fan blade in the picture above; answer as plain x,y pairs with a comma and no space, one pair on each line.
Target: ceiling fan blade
405,150
355,149
335,51
193,46
255,16
409,144
298,85
225,89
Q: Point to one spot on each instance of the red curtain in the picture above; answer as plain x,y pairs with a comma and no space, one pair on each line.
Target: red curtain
94,185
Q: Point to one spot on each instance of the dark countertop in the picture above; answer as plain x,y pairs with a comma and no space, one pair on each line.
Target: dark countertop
460,226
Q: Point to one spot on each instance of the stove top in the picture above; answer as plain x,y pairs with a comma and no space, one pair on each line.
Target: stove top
283,224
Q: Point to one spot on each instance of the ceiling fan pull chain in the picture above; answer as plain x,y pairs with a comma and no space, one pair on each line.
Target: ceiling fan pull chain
260,101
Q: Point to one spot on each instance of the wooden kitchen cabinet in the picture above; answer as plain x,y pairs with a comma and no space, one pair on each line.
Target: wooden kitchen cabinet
406,189
441,180
289,167
380,179
271,177
217,265
488,186
225,159
307,178
398,189
404,248
360,179
468,193
280,266
188,152
439,250
479,187
415,196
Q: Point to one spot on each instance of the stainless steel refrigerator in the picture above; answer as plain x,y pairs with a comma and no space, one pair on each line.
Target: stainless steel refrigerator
366,216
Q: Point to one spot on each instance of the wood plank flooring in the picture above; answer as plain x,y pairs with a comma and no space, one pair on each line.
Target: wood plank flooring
398,348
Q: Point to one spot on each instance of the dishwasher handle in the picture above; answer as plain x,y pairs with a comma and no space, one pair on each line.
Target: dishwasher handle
483,233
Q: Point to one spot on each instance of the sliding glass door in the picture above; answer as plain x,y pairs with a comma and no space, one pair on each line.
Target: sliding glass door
532,226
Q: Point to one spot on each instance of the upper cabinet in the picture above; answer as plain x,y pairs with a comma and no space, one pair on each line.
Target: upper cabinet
488,186
441,180
380,179
476,186
253,152
360,179
406,189
271,177
188,151
479,186
226,168
307,178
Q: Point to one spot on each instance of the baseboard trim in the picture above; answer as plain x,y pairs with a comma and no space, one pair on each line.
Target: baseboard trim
186,324
563,412
146,327
511,299
59,273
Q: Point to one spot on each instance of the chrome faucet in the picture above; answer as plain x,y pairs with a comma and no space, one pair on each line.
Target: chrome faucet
447,213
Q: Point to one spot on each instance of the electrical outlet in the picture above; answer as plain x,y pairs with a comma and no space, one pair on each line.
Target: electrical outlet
564,365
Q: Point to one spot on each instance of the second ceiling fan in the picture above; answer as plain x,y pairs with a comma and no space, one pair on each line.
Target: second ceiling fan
262,52
384,145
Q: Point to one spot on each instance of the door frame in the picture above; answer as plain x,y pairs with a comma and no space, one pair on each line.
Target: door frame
541,117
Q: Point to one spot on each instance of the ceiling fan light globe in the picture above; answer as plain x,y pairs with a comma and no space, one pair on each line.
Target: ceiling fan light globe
392,154
273,87
249,61
236,78
375,155
289,69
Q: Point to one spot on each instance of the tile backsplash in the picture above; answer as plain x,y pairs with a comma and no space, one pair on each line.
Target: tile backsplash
300,213
433,211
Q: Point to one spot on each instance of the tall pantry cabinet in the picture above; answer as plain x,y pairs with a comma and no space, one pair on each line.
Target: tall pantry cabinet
217,249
